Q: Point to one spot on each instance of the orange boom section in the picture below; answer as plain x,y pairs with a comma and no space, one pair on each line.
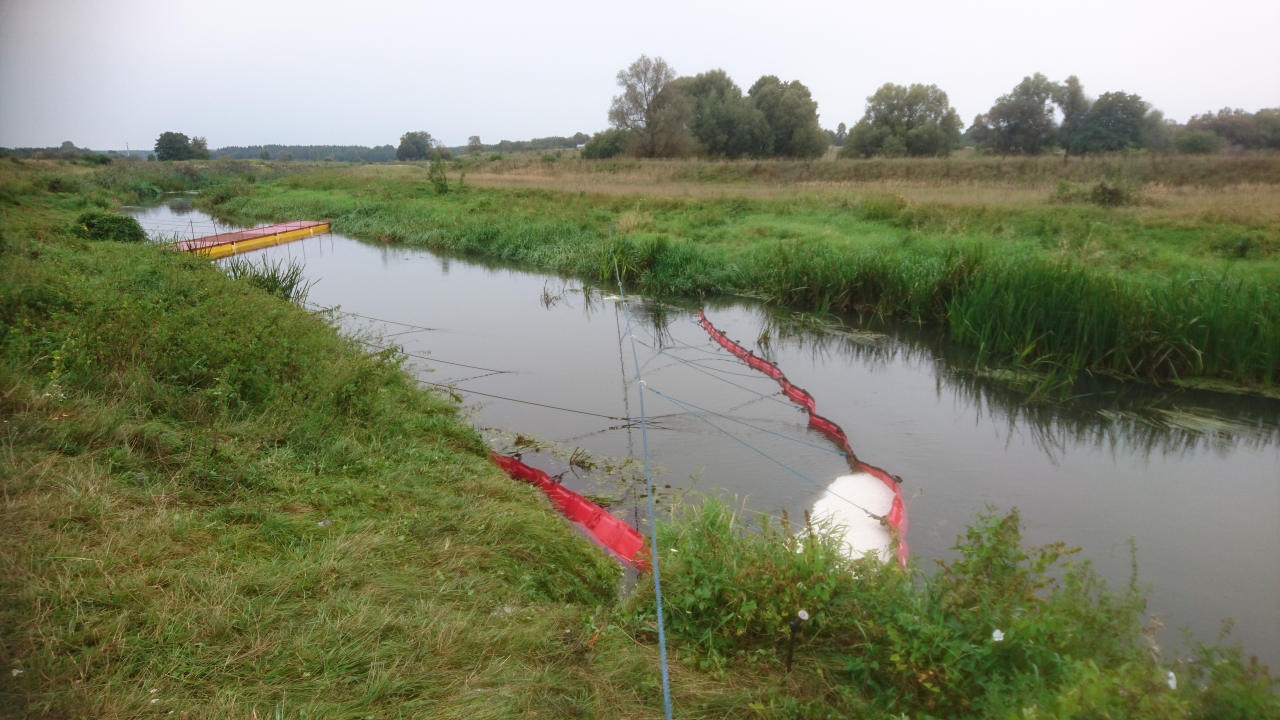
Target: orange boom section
607,530
897,517
225,244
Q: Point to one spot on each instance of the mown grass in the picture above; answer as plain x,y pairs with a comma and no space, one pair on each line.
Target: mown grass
1057,287
216,506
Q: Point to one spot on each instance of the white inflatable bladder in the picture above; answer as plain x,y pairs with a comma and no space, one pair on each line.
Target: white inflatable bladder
848,503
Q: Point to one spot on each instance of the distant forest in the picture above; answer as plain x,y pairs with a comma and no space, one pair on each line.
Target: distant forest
554,142
339,153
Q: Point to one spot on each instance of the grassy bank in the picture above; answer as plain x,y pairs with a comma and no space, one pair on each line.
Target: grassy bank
216,506
1058,285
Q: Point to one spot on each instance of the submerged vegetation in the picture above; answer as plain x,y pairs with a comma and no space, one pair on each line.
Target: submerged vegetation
216,505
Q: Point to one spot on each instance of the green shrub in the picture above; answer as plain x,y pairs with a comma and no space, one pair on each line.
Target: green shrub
99,225
607,144
992,631
1112,194
1198,142
439,181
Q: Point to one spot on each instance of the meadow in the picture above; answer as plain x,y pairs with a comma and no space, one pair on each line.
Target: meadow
1160,270
215,505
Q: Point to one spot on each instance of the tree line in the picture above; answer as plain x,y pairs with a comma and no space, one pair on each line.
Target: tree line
661,114
337,153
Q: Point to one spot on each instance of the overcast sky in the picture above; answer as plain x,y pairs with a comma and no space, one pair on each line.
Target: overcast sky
104,73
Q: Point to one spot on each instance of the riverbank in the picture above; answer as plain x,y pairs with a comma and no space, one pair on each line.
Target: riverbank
216,503
1164,290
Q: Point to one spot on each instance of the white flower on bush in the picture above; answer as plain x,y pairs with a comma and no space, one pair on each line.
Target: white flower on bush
997,636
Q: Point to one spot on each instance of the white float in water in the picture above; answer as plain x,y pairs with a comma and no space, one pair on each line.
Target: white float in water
848,503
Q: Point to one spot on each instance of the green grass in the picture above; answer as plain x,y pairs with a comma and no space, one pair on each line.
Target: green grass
216,506
1064,288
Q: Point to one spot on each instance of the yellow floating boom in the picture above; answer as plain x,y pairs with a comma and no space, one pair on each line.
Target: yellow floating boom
226,244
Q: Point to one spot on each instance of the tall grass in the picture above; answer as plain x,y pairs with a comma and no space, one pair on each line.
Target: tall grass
287,281
962,168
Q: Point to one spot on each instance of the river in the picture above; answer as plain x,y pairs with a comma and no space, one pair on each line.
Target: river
545,366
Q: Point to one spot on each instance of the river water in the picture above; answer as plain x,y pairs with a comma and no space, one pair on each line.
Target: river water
546,367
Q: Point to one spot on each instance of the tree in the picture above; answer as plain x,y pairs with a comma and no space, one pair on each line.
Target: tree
917,121
1241,129
1074,106
791,115
474,146
1115,121
1021,121
839,135
650,111
265,154
199,149
68,151
605,144
724,123
415,146
173,146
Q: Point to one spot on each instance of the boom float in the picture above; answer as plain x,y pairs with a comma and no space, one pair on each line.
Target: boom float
226,244
600,524
897,516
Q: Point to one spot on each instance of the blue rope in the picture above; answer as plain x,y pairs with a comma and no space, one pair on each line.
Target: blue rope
653,527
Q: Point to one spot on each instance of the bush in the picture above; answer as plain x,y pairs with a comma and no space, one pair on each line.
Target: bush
95,159
436,176
1198,142
99,225
1112,194
603,145
1002,630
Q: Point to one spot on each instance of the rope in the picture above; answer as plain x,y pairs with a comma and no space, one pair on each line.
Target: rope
451,388
367,317
762,453
402,351
756,427
704,371
653,527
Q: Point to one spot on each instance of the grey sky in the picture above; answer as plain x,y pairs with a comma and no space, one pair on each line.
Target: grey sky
244,73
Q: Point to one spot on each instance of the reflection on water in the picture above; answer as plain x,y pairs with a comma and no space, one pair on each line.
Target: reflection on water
1124,418
1193,477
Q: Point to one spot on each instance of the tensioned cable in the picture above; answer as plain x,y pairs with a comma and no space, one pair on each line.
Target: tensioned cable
700,369
522,402
763,454
653,527
428,358
367,317
766,430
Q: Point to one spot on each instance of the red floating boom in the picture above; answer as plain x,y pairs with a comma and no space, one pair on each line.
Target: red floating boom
897,517
608,530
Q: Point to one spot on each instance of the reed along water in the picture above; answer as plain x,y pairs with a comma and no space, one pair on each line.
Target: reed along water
1192,477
